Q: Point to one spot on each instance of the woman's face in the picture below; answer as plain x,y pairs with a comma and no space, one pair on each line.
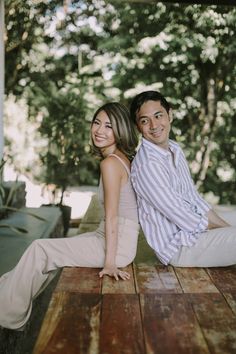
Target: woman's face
102,132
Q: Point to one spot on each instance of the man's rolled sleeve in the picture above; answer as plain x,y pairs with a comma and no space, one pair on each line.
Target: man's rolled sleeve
203,225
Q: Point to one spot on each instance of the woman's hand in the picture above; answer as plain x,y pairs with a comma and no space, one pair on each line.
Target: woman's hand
113,271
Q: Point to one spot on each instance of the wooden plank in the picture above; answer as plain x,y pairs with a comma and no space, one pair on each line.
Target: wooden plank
217,322
112,286
231,300
224,278
121,328
195,280
170,325
156,279
71,325
82,280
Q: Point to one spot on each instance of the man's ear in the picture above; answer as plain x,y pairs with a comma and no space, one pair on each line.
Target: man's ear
138,129
137,126
171,115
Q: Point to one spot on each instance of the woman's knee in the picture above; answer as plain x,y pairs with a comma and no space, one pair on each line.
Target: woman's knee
37,242
37,247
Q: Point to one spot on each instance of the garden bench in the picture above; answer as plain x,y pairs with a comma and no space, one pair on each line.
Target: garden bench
12,244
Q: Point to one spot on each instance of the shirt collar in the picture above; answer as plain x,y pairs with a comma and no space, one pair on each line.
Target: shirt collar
173,146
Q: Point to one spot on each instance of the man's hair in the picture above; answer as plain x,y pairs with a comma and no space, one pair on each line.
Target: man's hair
143,97
123,128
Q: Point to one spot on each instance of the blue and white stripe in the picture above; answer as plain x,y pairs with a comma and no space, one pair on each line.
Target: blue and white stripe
171,211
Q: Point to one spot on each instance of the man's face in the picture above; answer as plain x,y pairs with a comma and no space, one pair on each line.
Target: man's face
153,122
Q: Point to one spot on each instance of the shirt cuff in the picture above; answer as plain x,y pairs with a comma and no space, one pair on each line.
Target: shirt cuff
203,225
203,206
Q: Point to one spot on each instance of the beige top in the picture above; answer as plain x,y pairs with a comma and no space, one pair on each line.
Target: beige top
127,203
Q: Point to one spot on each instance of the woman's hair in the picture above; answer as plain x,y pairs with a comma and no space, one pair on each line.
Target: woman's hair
122,126
143,97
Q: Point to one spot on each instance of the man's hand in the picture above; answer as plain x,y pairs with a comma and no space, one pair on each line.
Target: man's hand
214,221
113,271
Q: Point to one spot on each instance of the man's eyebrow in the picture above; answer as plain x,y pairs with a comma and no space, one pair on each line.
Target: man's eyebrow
147,116
157,112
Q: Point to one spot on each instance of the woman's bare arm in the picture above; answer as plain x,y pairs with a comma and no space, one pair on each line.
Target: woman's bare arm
112,173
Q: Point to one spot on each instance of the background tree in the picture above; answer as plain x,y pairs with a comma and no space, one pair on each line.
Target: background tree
111,51
188,52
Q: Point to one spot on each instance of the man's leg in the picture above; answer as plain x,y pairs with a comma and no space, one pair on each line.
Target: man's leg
214,248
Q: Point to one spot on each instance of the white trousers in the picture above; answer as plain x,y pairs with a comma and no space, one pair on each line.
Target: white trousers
214,248
43,257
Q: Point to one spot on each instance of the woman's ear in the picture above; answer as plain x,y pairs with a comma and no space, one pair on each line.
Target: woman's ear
171,115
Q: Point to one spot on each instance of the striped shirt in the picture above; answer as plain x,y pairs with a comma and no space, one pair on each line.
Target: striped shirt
171,212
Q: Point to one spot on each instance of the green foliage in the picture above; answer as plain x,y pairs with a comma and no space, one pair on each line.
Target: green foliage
67,60
188,52
66,128
24,30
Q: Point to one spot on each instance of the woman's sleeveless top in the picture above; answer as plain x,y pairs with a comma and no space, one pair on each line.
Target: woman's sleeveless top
127,203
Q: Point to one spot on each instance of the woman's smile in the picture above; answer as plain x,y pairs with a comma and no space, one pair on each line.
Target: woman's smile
102,133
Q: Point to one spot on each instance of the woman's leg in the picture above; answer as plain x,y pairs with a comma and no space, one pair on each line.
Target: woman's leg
37,267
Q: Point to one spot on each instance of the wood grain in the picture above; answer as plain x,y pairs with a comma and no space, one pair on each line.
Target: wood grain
121,325
112,286
170,325
82,280
71,325
195,280
224,278
217,322
231,300
156,279
160,310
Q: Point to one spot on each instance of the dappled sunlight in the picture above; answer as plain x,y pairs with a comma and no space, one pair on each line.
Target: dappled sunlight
141,86
147,44
78,55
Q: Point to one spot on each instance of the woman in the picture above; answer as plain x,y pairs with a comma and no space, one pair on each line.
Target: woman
111,246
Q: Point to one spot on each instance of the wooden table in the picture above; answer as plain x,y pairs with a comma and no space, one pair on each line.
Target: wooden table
161,310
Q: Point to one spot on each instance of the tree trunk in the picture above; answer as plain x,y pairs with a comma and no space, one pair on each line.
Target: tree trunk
207,133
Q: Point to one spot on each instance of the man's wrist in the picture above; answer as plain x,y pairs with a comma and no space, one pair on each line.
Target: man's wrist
203,225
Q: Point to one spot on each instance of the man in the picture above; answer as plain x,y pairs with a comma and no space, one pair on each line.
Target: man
178,224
